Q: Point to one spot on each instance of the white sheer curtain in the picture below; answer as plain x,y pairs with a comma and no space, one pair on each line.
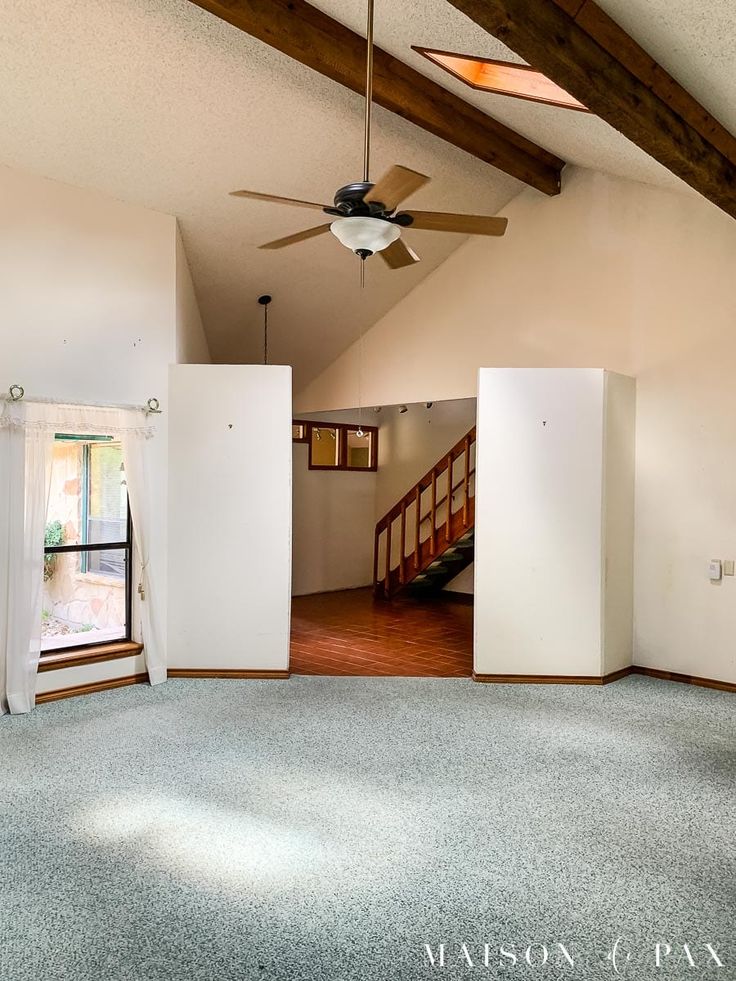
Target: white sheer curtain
26,447
27,462
137,473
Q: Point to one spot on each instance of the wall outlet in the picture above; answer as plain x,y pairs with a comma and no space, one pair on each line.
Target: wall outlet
728,567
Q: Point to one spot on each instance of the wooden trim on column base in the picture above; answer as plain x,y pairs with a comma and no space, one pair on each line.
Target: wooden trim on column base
551,679
91,688
226,673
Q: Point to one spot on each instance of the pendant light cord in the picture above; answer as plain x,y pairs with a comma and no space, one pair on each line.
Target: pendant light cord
368,91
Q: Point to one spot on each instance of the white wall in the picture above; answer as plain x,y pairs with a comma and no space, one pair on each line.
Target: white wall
620,275
230,517
87,313
334,523
619,444
334,527
191,340
538,522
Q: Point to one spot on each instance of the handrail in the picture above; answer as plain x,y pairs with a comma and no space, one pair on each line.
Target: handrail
426,481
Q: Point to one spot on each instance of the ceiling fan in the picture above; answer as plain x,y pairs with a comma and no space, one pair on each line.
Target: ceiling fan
364,215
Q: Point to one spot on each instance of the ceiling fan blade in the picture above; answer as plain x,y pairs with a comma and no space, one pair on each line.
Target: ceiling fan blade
396,185
398,254
440,221
257,196
280,243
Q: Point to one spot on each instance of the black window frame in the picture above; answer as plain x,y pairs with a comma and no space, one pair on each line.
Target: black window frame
126,547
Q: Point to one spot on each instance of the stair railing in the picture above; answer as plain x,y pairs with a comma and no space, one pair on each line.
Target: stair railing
404,523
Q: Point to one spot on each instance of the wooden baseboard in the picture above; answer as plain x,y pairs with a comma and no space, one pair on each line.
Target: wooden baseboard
89,655
94,686
548,679
462,599
606,679
686,679
225,673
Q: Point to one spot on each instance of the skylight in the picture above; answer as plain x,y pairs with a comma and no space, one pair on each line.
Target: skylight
503,78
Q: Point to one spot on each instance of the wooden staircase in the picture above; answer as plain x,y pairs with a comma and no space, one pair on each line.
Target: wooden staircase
426,538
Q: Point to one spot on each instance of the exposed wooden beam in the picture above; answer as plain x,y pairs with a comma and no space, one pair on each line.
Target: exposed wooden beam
311,37
589,55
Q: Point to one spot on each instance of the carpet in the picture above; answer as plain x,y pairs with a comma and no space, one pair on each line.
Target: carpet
346,828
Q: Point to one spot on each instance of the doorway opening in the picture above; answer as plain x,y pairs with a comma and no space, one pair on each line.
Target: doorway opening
383,551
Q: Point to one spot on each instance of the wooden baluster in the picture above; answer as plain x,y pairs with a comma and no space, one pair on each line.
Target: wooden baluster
466,482
417,544
375,557
448,526
402,553
387,580
433,514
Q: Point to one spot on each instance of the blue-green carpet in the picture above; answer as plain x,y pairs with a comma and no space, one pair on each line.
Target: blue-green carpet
329,828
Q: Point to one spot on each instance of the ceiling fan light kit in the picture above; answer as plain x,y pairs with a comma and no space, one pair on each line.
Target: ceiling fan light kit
365,236
364,215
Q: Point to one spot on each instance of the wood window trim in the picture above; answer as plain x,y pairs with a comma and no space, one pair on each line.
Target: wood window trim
91,654
341,431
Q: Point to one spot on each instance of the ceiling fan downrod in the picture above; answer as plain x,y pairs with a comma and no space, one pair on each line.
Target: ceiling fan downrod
368,92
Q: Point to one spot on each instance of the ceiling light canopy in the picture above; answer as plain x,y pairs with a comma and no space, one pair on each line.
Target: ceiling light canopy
365,236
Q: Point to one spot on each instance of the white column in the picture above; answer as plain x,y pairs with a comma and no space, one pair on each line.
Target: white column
229,517
540,554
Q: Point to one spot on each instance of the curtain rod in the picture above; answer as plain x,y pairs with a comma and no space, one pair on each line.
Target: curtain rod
16,393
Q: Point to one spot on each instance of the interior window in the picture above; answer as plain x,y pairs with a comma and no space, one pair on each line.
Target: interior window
86,593
325,447
337,446
359,449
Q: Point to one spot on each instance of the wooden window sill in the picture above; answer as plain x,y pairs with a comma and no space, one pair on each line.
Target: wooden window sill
89,655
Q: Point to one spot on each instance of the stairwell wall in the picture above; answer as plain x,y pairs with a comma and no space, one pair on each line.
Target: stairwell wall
413,441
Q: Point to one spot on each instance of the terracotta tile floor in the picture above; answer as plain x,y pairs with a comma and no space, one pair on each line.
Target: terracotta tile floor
350,633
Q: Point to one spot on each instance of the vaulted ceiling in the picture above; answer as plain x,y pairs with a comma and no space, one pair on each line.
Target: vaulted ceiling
166,106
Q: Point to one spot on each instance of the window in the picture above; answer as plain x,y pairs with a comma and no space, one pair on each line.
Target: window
338,446
324,448
503,78
86,592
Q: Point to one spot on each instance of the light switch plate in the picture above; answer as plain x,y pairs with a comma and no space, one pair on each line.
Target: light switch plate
728,567
714,570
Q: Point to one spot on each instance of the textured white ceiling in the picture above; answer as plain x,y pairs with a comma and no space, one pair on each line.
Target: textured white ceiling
575,137
163,105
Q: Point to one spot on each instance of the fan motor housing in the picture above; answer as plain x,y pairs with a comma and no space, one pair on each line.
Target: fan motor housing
349,201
